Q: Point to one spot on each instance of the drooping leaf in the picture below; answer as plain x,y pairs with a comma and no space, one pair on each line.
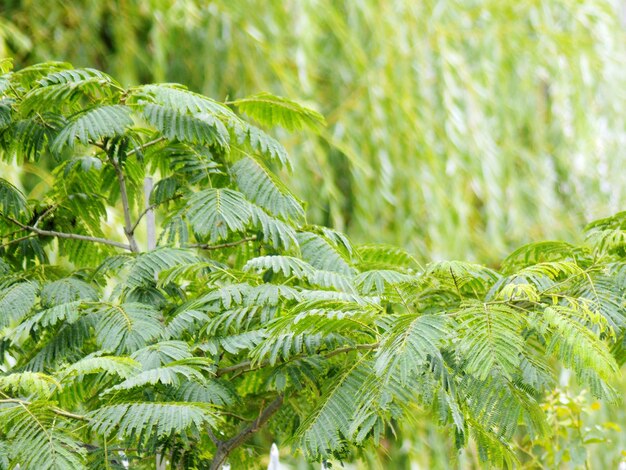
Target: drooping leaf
94,124
215,213
126,327
260,186
12,201
271,110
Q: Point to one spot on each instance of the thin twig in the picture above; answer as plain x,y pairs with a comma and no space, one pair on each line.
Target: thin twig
44,214
125,205
143,213
14,232
205,246
17,240
213,437
72,236
150,208
145,146
246,366
55,410
358,347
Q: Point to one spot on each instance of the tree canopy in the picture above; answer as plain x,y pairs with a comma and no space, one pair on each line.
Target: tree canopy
240,316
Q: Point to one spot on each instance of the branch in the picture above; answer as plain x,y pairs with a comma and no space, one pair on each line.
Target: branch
128,225
141,147
72,236
17,240
205,246
54,409
150,208
347,349
246,366
14,232
143,213
225,448
213,437
44,214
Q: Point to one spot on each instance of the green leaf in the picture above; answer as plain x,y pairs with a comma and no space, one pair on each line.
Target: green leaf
212,391
271,110
127,327
327,428
66,291
146,267
172,374
67,87
576,345
194,164
27,383
275,231
179,98
490,339
322,255
263,188
147,419
215,213
40,438
48,317
377,281
32,136
410,344
92,125
193,128
12,201
162,353
92,364
287,265
260,142
16,301
377,256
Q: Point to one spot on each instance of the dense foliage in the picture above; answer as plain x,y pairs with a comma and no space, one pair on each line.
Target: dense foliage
457,129
240,316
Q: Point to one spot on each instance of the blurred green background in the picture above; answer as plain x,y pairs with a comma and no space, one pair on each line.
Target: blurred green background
458,129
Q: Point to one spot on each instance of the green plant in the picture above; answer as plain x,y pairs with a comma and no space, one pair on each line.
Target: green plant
240,316
457,129
568,414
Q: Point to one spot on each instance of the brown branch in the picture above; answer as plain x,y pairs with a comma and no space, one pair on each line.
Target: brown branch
72,236
226,447
21,229
205,246
246,366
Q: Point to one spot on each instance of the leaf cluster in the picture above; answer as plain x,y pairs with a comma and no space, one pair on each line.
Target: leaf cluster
244,314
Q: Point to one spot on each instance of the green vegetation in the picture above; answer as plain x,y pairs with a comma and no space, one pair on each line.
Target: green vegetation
455,129
458,129
195,318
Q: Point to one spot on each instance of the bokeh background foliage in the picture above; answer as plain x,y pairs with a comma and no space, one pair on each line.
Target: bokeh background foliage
457,128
